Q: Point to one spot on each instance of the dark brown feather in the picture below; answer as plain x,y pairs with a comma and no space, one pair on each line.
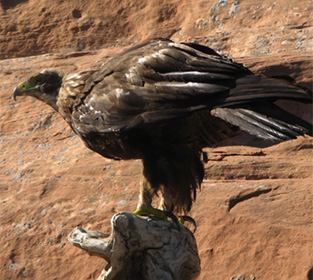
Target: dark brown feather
162,102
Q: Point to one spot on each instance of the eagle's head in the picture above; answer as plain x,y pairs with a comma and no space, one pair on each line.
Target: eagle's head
44,86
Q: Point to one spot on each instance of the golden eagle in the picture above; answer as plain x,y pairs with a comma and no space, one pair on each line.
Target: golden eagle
162,102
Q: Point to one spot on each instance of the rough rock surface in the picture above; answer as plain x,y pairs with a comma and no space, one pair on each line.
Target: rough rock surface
254,211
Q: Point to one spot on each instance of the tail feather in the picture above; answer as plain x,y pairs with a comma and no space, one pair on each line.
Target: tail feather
250,106
265,120
254,88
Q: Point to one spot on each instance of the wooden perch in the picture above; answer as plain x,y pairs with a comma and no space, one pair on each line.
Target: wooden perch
142,248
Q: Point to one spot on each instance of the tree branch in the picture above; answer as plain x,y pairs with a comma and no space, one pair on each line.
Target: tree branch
141,248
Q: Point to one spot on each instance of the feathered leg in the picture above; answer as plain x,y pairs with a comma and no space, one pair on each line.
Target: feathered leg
166,204
145,195
144,207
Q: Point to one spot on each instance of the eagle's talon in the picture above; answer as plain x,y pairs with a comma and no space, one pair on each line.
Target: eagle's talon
172,216
184,218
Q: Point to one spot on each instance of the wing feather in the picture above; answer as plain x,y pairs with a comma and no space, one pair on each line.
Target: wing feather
162,80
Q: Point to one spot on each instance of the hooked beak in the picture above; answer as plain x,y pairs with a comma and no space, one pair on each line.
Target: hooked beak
17,92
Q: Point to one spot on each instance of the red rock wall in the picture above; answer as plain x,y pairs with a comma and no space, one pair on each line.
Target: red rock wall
242,28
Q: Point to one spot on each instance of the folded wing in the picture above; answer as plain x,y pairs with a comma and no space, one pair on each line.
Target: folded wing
161,80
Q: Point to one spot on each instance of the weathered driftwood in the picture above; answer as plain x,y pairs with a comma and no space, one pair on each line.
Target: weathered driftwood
140,248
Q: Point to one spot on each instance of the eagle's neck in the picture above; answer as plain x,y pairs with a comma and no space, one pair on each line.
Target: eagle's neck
64,105
51,99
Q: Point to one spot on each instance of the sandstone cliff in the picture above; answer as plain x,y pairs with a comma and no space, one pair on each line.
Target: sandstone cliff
254,212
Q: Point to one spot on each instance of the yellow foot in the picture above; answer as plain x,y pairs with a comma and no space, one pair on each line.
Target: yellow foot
164,215
183,219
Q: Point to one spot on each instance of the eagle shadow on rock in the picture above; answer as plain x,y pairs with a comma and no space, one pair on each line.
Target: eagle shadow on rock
163,102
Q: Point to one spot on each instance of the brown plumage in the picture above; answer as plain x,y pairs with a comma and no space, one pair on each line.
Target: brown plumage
162,102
